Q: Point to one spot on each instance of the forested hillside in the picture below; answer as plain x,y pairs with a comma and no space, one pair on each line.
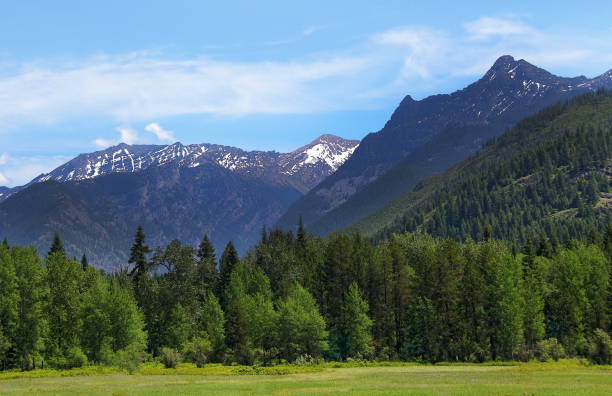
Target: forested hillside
428,136
550,175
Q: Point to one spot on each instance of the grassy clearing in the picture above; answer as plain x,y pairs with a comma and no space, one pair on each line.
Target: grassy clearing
562,378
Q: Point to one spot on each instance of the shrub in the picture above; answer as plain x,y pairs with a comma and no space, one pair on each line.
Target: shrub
548,349
74,357
600,347
197,351
130,358
169,357
307,360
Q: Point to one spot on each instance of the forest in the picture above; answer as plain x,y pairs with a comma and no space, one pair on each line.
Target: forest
295,298
548,175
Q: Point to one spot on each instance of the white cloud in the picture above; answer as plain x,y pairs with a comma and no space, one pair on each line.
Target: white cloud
127,135
311,29
4,158
162,134
138,88
488,27
142,87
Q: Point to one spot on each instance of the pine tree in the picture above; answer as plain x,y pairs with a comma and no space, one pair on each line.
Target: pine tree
9,313
84,262
57,246
207,273
138,254
229,260
301,233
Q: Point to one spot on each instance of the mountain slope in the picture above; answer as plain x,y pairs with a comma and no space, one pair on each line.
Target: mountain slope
551,174
96,200
428,136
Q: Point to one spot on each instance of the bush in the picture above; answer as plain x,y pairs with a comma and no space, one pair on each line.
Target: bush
600,347
548,349
169,357
74,357
130,358
307,360
197,351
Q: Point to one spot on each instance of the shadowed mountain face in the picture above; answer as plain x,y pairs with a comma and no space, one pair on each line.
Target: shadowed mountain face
428,136
96,200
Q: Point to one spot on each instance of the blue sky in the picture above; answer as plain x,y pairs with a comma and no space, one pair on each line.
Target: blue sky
77,76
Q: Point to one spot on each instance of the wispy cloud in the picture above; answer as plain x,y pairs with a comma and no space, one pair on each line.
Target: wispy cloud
142,87
162,134
3,160
311,29
487,27
127,135
136,88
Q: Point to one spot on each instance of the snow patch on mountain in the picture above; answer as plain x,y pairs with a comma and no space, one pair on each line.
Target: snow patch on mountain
308,165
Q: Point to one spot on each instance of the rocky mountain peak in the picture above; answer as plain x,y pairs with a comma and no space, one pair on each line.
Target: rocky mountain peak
302,168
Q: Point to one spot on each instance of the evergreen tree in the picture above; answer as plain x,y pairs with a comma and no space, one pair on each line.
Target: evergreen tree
229,261
138,254
30,336
207,275
508,307
84,262
57,246
301,233
64,282
9,309
357,324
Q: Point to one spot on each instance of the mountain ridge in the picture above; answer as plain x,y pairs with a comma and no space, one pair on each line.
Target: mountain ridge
301,168
425,137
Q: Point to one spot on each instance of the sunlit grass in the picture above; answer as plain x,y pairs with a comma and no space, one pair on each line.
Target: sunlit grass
566,377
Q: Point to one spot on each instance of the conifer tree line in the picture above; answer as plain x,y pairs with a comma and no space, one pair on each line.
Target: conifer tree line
297,298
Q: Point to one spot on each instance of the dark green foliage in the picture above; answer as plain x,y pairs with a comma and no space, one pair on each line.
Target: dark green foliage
138,253
546,177
84,262
57,246
207,273
229,260
600,347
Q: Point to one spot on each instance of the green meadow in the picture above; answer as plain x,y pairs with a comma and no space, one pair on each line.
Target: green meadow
562,378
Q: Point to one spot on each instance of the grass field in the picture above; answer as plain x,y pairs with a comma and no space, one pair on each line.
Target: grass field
525,379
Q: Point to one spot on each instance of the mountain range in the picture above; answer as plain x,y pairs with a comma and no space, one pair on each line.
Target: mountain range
177,191
375,186
428,136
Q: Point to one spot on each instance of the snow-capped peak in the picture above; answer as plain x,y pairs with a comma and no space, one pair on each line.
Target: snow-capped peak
308,164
